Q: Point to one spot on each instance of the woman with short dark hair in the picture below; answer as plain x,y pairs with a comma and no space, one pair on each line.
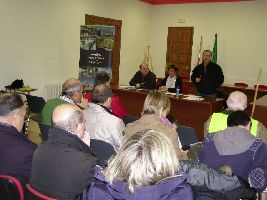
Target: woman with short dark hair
172,81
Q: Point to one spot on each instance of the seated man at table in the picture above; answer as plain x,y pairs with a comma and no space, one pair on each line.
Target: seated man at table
236,101
238,149
71,93
101,123
16,151
144,78
63,166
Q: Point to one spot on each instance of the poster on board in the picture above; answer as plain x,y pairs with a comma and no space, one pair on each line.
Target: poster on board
96,46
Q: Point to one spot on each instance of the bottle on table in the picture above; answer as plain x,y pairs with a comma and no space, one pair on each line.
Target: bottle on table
177,92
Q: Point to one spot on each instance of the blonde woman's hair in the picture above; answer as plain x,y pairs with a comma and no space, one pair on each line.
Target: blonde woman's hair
145,159
157,103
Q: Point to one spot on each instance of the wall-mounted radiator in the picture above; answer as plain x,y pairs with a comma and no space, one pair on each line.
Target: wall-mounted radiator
53,90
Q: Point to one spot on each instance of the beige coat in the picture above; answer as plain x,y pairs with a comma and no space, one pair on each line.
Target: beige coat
153,122
101,125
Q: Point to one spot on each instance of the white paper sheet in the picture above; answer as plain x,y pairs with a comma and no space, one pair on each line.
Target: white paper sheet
192,97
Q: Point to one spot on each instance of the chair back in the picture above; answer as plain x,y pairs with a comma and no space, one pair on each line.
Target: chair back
102,150
10,188
33,194
35,103
187,135
242,85
186,89
44,131
129,119
261,87
158,81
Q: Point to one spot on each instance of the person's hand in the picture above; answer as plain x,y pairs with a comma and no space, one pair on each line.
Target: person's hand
163,89
198,80
137,85
226,169
86,138
83,104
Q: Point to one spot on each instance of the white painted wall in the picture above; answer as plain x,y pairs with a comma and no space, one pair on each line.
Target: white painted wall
241,28
40,39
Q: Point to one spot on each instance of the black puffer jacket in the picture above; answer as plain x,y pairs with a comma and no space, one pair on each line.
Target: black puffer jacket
63,166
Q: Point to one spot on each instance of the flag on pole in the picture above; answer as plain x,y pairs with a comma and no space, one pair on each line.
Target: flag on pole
199,52
214,51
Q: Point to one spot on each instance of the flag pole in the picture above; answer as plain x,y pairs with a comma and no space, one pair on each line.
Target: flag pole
199,52
256,92
148,58
214,51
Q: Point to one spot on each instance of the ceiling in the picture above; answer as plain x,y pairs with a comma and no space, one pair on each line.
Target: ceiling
159,2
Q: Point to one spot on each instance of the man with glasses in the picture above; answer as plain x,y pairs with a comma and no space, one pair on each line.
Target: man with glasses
71,93
15,149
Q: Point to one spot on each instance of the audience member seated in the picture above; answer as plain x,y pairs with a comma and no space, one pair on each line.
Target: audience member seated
156,107
71,93
171,82
100,121
236,101
16,150
116,105
146,167
144,78
237,148
63,166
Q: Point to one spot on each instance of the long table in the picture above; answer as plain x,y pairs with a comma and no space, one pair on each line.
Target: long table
249,91
260,112
189,113
229,88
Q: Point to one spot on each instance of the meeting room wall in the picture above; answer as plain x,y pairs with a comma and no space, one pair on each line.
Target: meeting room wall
40,40
241,28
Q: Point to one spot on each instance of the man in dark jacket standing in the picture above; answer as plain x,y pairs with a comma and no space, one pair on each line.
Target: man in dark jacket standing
207,76
144,78
63,166
16,151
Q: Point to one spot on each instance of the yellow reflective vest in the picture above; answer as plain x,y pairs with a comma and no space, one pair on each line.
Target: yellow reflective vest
218,122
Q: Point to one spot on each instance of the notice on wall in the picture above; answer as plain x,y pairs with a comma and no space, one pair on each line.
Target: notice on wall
96,46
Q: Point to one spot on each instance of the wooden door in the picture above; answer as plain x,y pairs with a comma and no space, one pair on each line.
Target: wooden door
179,48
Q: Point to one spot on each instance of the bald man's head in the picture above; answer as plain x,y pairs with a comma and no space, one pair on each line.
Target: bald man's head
237,101
69,118
72,88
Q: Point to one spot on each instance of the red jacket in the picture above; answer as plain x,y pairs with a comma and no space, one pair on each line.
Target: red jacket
116,105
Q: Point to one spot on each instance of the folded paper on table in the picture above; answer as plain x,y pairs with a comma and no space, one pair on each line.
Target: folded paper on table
193,97
127,87
170,93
